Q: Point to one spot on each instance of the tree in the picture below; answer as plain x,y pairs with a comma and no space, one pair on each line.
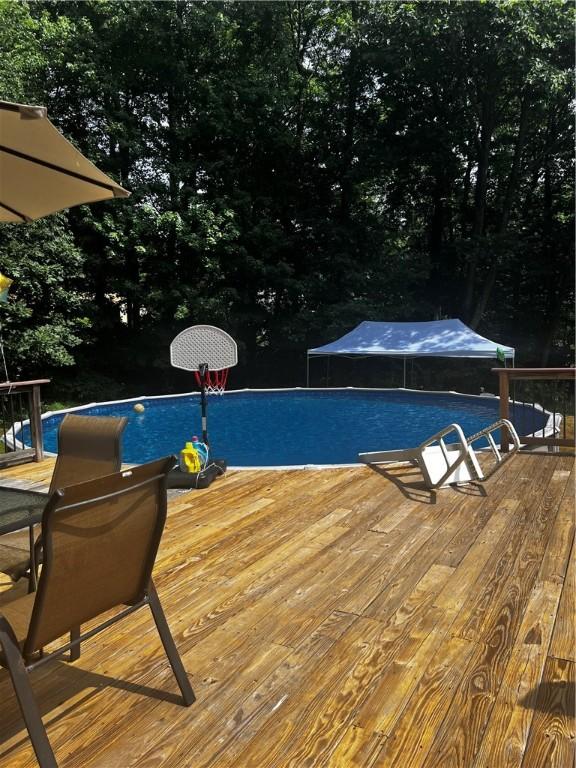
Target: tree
297,167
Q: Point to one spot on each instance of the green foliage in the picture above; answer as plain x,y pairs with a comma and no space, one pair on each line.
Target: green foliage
45,316
295,168
58,405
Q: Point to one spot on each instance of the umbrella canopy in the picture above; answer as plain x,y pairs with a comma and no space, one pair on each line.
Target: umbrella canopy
41,172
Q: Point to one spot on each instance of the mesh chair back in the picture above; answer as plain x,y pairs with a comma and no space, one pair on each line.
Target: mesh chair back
100,542
88,447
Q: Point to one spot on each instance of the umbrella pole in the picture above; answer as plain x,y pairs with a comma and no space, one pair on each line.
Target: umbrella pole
3,355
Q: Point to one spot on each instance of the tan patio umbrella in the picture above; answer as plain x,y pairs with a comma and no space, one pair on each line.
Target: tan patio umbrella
40,171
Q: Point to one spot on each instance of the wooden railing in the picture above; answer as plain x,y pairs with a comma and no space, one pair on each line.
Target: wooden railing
550,388
20,407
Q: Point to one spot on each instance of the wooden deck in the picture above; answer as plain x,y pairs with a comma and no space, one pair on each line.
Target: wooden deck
336,618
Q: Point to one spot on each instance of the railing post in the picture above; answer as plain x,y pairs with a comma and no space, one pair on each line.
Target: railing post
504,407
547,435
36,423
16,449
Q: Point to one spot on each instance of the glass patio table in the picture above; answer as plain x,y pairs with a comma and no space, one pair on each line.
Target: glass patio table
22,509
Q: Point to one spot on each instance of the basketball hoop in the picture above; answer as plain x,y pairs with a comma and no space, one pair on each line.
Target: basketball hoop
209,352
214,381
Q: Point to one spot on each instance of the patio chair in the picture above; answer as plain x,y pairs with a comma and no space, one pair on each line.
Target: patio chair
88,447
453,463
100,543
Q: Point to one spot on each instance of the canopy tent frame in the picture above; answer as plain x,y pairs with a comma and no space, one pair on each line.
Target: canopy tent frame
407,341
362,357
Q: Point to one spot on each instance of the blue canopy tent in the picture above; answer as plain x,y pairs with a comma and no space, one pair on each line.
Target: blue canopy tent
437,338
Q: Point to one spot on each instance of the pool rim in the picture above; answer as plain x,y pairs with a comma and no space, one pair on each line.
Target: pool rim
551,423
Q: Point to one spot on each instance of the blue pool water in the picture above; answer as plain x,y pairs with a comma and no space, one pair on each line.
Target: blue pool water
292,427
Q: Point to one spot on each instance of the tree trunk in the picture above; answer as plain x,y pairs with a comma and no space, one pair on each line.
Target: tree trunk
480,191
554,316
346,180
301,38
174,140
553,303
436,232
512,187
464,213
437,220
509,198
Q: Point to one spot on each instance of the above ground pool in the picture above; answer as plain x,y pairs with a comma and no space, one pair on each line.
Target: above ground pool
296,427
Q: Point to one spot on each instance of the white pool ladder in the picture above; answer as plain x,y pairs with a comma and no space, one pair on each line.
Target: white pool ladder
454,463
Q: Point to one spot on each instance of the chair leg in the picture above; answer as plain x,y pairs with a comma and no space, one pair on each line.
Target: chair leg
170,647
75,649
32,569
25,696
32,573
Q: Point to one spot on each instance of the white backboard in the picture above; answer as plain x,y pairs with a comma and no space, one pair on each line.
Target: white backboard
203,344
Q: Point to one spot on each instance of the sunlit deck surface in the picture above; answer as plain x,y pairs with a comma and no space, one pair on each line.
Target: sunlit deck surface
341,617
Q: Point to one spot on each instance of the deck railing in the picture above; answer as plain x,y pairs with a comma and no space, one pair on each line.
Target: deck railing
20,406
550,388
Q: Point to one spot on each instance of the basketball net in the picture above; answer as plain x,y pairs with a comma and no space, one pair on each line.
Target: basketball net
214,381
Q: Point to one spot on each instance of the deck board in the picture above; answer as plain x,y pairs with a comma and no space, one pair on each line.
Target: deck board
551,743
563,644
342,617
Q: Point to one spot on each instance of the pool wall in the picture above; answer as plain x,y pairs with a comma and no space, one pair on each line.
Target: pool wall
552,422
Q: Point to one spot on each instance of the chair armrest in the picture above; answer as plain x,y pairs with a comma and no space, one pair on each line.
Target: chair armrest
7,633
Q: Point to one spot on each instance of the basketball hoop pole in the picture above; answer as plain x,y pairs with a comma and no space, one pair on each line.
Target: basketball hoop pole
209,352
202,370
